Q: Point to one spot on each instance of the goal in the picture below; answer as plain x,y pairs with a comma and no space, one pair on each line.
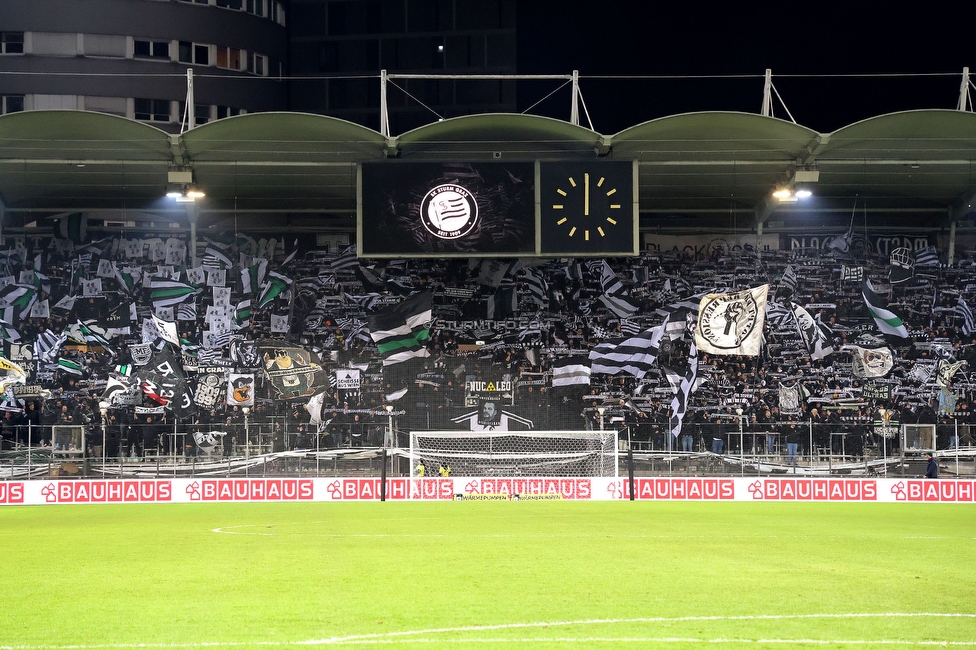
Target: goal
515,453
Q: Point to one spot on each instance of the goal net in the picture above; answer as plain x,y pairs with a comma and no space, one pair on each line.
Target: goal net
515,453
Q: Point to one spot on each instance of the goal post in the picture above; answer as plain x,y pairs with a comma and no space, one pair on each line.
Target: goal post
515,453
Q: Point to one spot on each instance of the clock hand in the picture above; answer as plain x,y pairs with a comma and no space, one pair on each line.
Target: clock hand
586,195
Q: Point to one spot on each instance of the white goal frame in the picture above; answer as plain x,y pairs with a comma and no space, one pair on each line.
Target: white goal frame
497,453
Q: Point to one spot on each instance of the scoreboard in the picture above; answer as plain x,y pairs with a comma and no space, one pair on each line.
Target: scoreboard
497,209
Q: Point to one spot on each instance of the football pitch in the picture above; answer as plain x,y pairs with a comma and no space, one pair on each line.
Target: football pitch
488,574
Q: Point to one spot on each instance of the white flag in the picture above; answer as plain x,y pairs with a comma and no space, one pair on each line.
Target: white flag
732,323
167,331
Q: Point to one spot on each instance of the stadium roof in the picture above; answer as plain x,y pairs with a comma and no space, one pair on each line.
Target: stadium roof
698,169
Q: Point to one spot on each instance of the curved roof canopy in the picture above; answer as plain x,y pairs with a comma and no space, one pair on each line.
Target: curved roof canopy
277,165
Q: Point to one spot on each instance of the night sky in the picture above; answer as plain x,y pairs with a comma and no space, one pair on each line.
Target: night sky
692,38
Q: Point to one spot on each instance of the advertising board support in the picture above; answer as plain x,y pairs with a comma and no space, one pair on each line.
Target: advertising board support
630,470
383,475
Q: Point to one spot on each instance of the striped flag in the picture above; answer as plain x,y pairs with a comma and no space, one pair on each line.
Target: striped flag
127,277
91,336
242,314
570,371
679,405
884,318
619,306
277,284
635,356
962,309
8,333
167,293
19,296
187,310
253,276
927,257
538,288
629,327
214,258
401,331
789,279
347,260
365,302
47,346
70,367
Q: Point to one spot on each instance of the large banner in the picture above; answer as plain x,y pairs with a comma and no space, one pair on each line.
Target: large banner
202,490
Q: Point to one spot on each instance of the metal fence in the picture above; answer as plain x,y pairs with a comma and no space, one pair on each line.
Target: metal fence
275,446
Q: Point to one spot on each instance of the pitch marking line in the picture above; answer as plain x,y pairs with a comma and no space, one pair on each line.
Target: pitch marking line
233,530
418,636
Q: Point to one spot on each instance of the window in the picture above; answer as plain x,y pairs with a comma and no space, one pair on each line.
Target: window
256,7
145,49
105,45
229,58
231,4
194,53
257,64
54,44
11,42
152,110
201,113
227,111
11,103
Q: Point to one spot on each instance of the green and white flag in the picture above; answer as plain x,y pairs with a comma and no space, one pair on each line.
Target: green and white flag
401,331
70,367
884,318
91,336
277,284
166,293
252,277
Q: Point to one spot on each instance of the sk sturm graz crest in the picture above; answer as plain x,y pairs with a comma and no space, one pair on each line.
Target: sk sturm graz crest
732,323
449,211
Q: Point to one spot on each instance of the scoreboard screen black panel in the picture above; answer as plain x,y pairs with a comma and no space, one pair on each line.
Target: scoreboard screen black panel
422,209
588,208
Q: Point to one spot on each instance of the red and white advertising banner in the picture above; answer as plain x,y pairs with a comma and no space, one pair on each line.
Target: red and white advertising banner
190,490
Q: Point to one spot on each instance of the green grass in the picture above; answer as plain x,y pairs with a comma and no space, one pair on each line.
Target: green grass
608,574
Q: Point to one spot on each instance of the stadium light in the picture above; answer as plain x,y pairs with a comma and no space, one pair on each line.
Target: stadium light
184,193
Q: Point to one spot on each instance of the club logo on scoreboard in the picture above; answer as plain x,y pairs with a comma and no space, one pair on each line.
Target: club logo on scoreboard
449,211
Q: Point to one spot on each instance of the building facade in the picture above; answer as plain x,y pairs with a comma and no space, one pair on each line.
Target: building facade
338,47
130,57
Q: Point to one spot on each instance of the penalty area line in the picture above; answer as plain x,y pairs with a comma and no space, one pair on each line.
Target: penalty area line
425,635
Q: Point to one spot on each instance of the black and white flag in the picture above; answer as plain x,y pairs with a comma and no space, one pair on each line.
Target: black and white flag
732,323
813,333
570,371
679,405
635,356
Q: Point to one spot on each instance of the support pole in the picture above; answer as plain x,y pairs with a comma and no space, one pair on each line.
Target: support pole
191,117
193,215
767,102
952,243
574,109
383,476
963,104
384,109
630,471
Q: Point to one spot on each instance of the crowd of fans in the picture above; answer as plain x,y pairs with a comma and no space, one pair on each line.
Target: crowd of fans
541,311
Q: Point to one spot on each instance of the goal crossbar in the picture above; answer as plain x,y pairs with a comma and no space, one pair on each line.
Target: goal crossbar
516,453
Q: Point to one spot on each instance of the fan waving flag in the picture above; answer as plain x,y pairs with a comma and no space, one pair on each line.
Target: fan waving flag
401,331
885,319
635,356
570,371
679,405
